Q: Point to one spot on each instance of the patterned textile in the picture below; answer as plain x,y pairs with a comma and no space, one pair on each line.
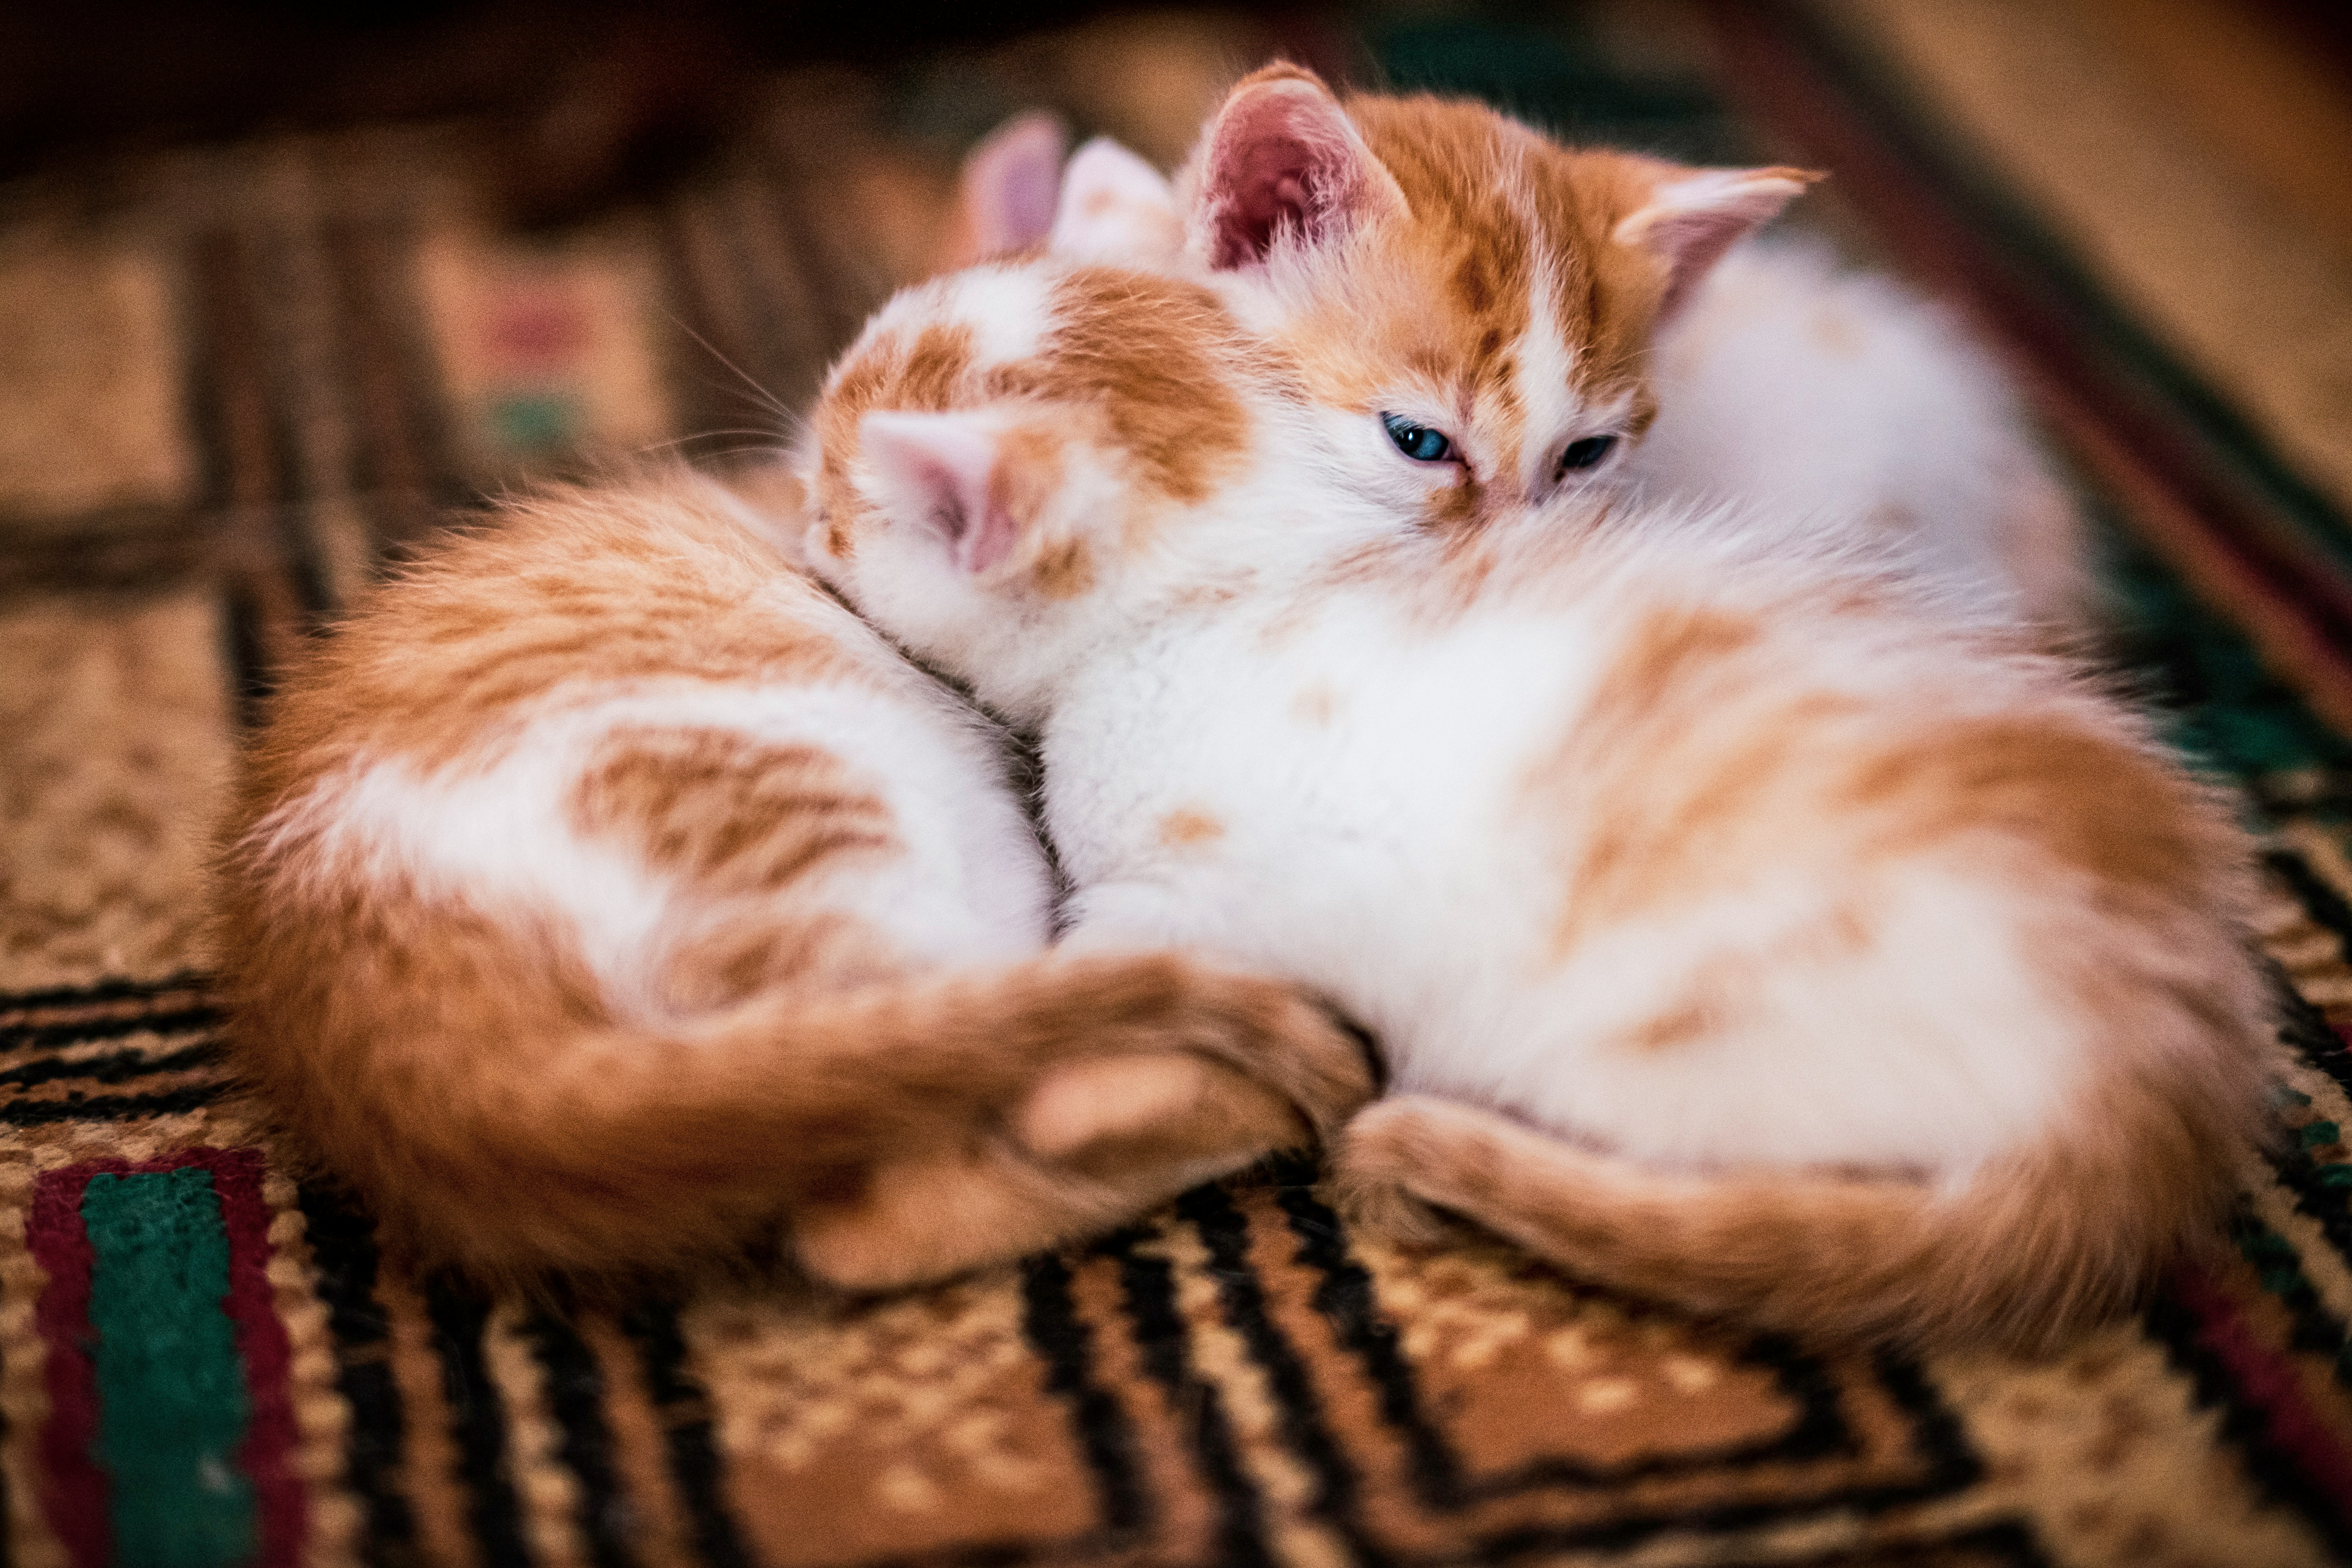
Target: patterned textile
234,381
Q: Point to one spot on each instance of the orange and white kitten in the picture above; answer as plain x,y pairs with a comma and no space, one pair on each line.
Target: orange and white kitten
1744,928
1534,320
603,893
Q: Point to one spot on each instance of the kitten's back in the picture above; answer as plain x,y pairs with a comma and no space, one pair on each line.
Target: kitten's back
1806,387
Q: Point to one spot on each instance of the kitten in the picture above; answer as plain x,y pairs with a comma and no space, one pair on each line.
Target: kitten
603,892
1744,929
1534,320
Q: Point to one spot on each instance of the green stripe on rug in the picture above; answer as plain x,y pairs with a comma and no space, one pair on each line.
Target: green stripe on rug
171,1398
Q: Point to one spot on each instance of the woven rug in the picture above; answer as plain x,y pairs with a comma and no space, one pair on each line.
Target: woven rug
234,379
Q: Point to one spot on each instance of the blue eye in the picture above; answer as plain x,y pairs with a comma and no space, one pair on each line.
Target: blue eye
1418,442
1584,454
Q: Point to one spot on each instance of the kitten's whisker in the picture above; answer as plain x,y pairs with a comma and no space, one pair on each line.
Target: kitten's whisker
707,435
742,452
768,398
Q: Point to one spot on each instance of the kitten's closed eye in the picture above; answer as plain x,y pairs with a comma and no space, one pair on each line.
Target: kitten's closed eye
1418,442
1587,453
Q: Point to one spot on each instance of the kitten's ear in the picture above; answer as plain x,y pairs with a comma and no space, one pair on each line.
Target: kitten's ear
1004,197
1694,215
942,468
1281,157
1116,207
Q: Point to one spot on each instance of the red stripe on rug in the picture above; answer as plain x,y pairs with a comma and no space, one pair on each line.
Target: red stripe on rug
2291,604
266,1454
75,1494
2270,1382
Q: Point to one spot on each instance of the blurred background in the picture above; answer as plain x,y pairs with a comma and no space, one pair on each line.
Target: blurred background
813,146
564,228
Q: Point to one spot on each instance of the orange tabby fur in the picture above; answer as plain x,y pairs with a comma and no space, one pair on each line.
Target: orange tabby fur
458,1056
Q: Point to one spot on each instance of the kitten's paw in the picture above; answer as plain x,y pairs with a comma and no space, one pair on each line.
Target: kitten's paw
1093,1145
928,1217
1402,1159
1291,1039
1372,1205
1120,1113
1072,1009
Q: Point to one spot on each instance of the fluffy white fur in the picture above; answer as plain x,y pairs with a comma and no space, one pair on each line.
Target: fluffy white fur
1366,770
1813,388
1114,206
1291,729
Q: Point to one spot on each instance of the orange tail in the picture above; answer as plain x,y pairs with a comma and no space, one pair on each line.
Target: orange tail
2029,1249
509,1149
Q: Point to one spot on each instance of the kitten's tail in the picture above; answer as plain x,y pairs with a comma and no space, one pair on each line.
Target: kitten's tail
2027,1249
1069,1087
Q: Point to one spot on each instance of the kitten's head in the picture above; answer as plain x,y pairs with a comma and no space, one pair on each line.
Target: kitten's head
1009,451
1478,299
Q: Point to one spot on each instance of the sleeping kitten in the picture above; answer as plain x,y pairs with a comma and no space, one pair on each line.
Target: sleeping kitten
603,892
1743,929
1531,319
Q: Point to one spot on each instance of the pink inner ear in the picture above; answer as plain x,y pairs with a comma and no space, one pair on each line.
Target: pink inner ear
946,465
1690,223
1004,197
1266,189
1024,176
989,540
1283,156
